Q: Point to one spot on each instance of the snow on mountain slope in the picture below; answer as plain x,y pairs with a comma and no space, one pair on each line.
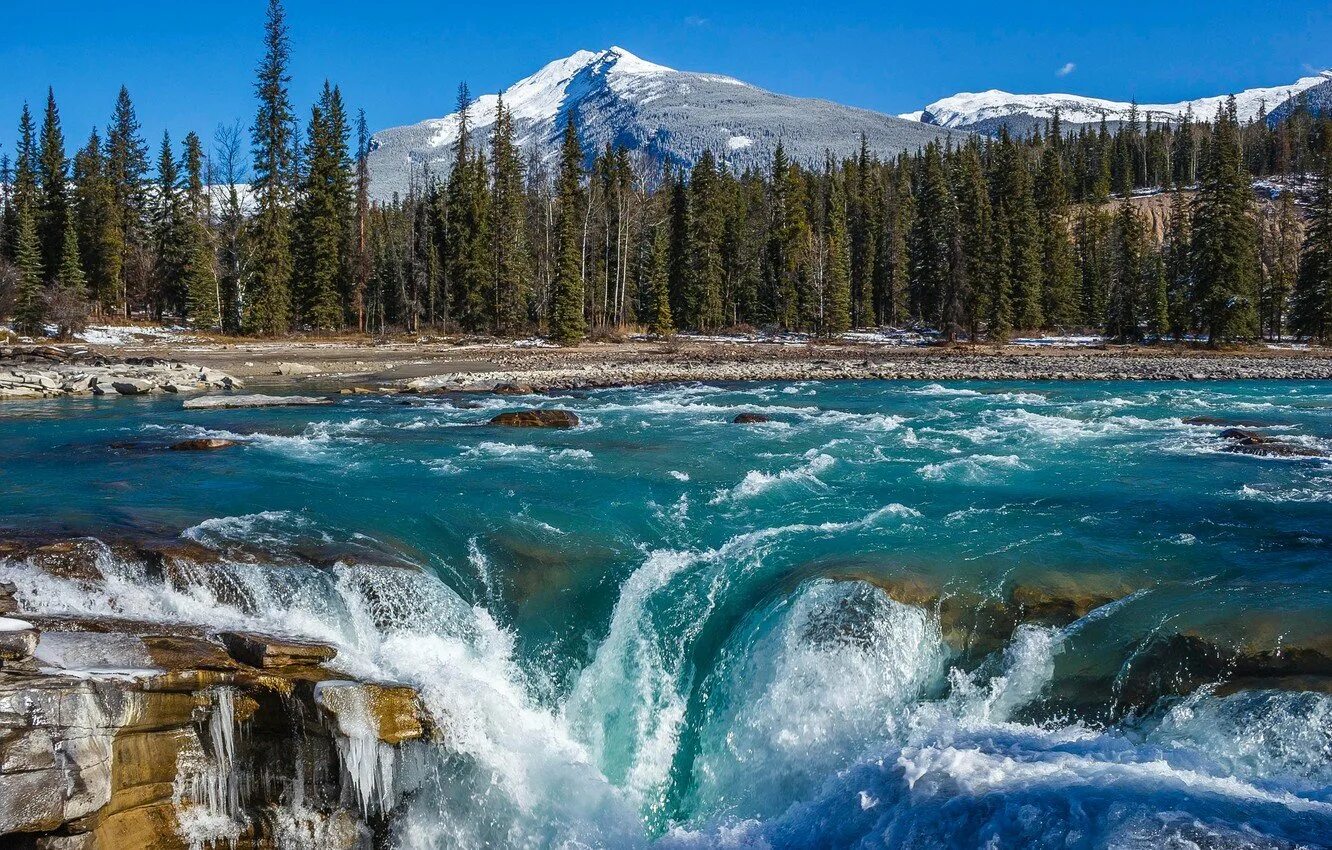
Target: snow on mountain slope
669,115
986,111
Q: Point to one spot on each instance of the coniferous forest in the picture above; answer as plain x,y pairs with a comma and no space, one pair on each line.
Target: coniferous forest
1141,231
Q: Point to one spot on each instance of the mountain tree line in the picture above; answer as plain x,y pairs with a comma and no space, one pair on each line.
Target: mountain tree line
977,240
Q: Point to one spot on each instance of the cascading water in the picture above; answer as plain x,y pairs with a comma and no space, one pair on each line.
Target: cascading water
739,666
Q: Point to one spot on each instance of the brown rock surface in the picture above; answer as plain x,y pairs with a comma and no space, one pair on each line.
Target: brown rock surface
537,419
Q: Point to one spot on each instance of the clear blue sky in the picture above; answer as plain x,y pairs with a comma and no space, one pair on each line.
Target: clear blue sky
189,65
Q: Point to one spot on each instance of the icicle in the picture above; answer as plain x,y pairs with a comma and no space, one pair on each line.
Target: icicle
367,761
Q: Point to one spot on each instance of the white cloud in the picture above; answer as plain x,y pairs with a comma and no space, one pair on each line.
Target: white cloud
1068,68
696,21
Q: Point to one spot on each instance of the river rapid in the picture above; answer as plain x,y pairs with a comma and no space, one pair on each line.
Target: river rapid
895,615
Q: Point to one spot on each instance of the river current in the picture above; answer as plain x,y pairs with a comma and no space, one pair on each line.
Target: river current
895,615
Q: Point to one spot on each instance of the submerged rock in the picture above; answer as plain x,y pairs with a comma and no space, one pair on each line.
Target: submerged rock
1274,448
203,444
537,419
1218,422
750,419
238,401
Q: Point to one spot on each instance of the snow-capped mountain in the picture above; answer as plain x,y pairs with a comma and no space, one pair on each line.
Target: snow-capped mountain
987,111
670,115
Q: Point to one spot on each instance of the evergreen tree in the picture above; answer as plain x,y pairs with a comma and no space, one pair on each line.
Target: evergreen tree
96,222
702,299
466,246
680,266
318,238
931,254
568,324
659,318
511,270
69,276
1125,306
1059,280
1280,252
169,235
25,191
1224,239
977,291
53,185
864,208
29,307
1016,221
126,167
1312,303
199,274
1177,254
267,292
836,318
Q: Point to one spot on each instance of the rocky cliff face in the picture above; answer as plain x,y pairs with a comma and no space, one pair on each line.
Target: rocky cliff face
121,733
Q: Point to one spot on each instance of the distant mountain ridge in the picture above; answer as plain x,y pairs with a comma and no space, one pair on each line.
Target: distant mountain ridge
986,112
669,115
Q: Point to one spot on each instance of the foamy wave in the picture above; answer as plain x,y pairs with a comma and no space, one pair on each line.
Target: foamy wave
756,483
971,468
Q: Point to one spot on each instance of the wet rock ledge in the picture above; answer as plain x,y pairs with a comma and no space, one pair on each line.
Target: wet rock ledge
43,371
118,734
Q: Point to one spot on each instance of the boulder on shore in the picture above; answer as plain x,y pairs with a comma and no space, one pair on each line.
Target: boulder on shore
537,419
750,419
289,368
133,386
237,401
203,444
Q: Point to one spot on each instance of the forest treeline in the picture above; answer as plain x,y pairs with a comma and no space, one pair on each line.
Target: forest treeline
977,240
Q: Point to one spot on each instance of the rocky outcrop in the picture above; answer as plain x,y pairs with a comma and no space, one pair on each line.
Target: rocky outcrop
47,371
228,402
1248,442
750,419
537,419
120,733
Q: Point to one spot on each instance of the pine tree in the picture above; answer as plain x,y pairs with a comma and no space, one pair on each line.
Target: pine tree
1311,312
467,248
1280,251
702,297
864,208
836,318
1059,281
1015,217
25,169
568,324
199,275
317,239
126,167
69,276
511,271
95,217
974,297
680,257
893,267
931,253
1126,288
363,264
267,295
660,323
1224,238
169,235
29,307
53,185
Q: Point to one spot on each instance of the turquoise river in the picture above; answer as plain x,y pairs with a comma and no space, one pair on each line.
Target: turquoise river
896,615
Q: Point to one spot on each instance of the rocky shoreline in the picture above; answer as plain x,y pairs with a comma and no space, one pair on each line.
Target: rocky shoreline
543,372
47,371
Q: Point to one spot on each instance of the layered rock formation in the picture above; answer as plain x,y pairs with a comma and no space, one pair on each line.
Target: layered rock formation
41,371
118,733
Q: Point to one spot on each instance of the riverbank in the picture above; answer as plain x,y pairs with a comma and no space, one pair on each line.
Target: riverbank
434,364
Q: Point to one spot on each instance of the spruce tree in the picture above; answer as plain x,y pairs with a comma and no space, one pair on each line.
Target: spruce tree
1311,312
702,298
1224,237
1125,308
836,318
1015,215
200,281
29,306
317,238
126,167
98,228
53,185
511,270
466,246
69,276
1059,279
568,324
973,296
864,207
25,192
172,253
1177,255
660,322
931,252
267,292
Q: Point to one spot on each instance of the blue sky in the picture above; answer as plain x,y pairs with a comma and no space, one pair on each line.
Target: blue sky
189,65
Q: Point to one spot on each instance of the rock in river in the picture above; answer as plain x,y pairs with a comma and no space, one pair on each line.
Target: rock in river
750,419
203,444
537,419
